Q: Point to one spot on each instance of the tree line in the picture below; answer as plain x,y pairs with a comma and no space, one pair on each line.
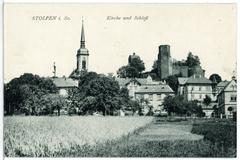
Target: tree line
34,95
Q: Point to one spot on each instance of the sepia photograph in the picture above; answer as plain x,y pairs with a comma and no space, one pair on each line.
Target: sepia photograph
120,80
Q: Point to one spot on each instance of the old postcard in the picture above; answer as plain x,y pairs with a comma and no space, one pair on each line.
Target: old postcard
120,80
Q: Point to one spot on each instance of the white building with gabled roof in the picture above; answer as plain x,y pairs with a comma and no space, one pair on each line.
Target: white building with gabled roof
195,88
146,88
227,99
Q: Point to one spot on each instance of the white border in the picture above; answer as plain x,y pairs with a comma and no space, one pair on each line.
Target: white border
104,1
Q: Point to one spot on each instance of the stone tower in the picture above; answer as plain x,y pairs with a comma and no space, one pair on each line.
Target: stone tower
164,67
82,54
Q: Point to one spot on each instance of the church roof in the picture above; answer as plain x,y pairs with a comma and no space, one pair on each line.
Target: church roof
82,33
155,89
63,82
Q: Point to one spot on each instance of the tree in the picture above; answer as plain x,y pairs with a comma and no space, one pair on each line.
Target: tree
137,63
155,65
20,93
134,68
215,77
172,81
207,100
169,105
134,106
180,106
195,108
192,60
127,72
98,93
51,102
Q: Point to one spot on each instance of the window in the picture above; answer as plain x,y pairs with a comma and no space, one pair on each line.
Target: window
200,96
192,96
200,88
84,65
233,98
159,97
150,97
234,87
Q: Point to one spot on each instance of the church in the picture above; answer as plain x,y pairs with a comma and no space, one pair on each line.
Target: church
82,58
65,83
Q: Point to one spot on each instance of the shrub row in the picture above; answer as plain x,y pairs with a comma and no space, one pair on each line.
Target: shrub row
221,133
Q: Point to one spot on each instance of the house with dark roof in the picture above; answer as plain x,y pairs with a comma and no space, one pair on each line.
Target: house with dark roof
195,88
64,84
146,88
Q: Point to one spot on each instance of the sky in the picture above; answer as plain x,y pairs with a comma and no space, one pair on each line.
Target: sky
32,46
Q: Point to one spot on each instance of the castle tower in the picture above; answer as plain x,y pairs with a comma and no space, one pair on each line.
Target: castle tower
82,54
164,65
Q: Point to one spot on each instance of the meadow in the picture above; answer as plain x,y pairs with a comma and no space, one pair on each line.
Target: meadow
90,136
50,136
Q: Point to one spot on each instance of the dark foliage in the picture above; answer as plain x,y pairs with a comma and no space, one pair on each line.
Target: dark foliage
172,81
25,91
221,133
179,106
215,77
207,100
99,93
134,68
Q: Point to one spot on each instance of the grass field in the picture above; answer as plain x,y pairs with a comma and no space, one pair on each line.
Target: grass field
49,136
118,137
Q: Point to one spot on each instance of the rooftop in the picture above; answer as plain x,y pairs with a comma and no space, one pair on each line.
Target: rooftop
155,89
141,81
201,80
222,84
63,82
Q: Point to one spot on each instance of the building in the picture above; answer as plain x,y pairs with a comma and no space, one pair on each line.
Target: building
145,88
64,84
195,88
166,65
82,58
227,99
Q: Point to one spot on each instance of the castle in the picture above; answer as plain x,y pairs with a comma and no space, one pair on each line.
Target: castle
166,65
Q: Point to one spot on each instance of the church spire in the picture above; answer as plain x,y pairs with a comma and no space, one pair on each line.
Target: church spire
82,37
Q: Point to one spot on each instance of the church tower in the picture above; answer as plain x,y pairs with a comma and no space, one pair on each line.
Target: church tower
82,54
82,57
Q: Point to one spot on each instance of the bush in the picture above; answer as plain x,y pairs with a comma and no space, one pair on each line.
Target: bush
221,133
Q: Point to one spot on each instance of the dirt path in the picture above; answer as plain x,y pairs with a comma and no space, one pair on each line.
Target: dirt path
158,131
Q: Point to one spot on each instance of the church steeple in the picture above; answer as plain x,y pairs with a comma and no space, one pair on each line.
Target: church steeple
82,57
82,37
